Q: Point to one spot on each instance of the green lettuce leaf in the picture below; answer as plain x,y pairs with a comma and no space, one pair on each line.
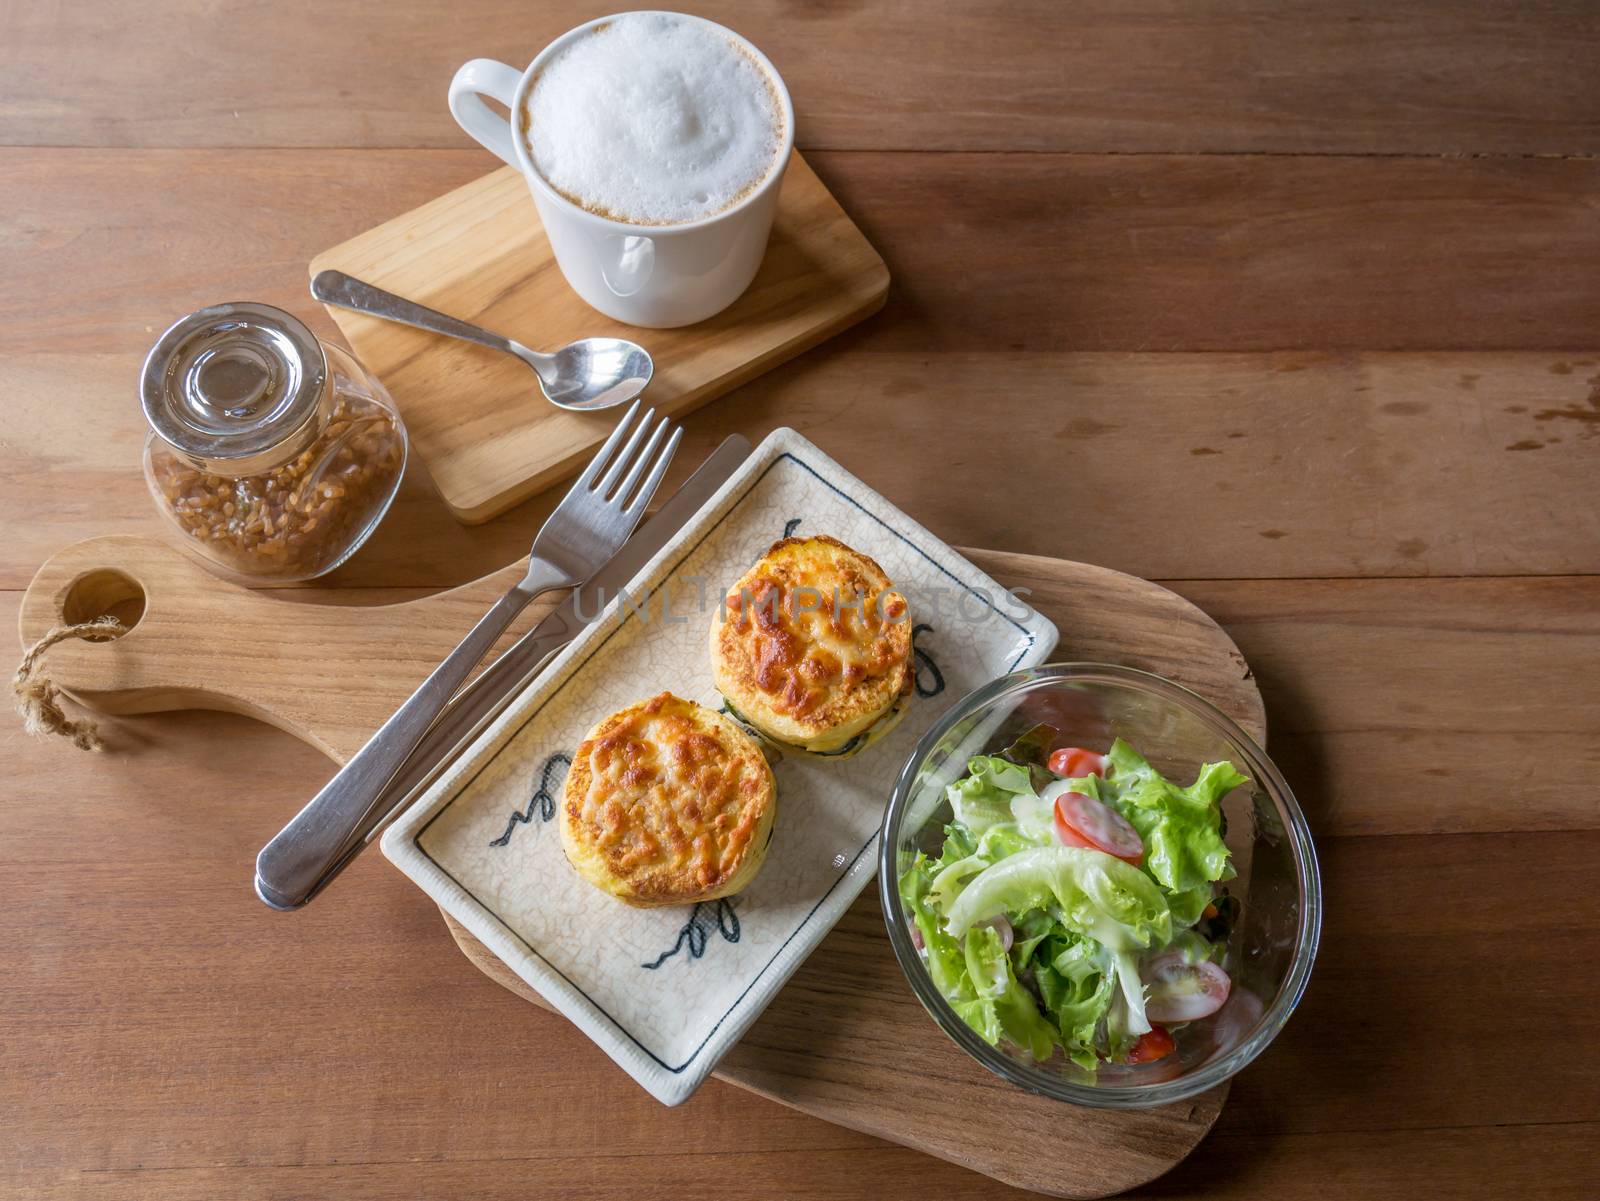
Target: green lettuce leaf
1187,906
1033,746
1001,841
1003,1007
954,869
1032,750
980,1014
974,974
1181,827
1032,929
1194,948
959,842
1123,1025
982,798
946,966
957,860
1078,993
1090,893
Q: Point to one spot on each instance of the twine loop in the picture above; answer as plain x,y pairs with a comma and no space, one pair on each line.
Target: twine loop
38,698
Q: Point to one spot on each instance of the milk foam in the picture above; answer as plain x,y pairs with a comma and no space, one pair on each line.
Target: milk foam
653,120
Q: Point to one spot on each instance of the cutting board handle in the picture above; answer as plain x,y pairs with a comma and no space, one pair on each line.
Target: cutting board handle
327,673
160,595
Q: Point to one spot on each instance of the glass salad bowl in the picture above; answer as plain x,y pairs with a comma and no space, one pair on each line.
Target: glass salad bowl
1269,950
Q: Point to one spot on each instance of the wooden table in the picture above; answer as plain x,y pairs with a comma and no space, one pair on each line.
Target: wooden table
1294,307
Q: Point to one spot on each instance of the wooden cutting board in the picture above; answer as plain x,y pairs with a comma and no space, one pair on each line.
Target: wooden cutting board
475,416
845,1039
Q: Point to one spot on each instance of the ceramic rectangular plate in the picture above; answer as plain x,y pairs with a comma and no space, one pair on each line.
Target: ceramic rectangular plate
665,992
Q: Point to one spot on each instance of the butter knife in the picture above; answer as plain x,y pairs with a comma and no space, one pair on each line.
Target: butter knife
471,710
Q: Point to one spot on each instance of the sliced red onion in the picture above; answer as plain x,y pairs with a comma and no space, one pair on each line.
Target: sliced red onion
916,935
1002,926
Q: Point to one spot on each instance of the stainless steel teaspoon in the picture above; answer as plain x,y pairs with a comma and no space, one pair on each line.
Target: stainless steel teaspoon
589,374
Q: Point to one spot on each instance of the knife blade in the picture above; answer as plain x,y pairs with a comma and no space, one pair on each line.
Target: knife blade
489,694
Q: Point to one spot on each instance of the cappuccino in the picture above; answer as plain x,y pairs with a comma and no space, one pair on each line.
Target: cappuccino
654,119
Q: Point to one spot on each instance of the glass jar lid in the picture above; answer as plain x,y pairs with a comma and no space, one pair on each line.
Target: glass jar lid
236,386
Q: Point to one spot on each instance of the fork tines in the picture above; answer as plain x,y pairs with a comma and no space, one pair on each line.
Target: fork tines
632,460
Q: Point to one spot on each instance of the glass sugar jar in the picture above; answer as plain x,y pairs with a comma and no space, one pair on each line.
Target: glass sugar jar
273,455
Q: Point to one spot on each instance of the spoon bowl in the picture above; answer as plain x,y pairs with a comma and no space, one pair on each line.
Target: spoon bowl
593,373
584,376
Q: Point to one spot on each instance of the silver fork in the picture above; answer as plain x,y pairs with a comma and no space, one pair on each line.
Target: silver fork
590,525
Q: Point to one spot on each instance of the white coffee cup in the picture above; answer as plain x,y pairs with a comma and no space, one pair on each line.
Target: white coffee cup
652,275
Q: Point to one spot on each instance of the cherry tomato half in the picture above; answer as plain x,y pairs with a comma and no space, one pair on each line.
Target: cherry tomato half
1183,992
1082,821
1073,762
1157,1044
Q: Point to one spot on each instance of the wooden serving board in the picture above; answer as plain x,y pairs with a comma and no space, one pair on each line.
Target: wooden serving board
476,417
845,1040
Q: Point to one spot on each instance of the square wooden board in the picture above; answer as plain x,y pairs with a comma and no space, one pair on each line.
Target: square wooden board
476,417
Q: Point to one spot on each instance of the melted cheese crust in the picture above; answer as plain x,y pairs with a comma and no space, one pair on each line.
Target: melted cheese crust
667,803
812,645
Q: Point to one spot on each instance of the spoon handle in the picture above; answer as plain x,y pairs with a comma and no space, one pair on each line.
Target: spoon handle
335,287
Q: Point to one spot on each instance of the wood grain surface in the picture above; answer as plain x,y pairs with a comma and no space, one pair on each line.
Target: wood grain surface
1146,76
1311,464
845,1040
989,252
484,432
1176,221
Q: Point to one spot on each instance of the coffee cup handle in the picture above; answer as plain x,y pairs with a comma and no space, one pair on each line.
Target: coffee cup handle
479,78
